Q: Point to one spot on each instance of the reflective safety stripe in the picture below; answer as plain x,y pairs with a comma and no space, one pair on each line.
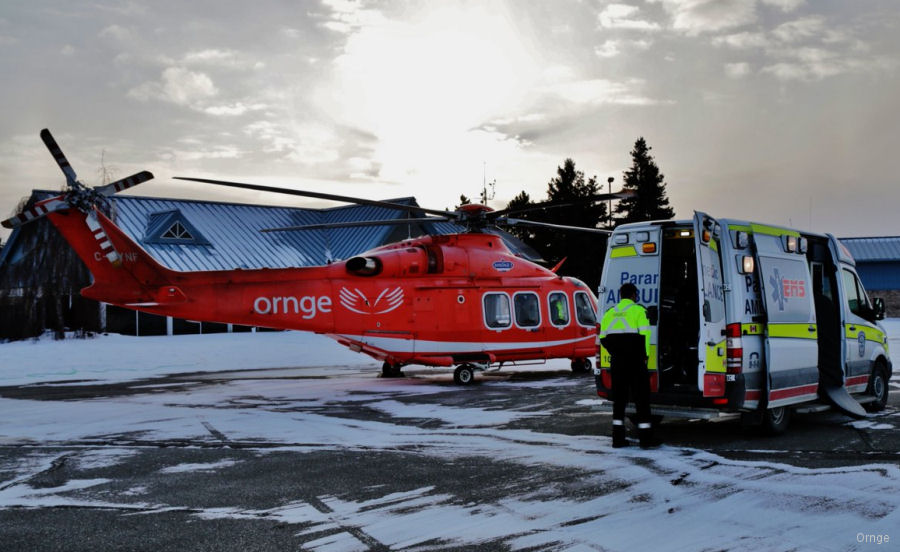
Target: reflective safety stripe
771,230
606,361
794,331
872,334
621,319
619,323
751,329
623,251
715,357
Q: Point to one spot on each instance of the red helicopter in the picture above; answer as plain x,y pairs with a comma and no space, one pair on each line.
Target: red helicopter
460,300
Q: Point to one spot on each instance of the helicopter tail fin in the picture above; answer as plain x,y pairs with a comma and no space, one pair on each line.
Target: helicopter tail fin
123,273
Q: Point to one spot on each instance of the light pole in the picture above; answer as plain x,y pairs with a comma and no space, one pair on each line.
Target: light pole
609,182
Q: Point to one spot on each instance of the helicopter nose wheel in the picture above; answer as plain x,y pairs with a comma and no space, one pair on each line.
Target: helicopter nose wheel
464,374
389,370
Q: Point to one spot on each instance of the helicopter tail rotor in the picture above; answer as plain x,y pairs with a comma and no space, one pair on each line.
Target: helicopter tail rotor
77,196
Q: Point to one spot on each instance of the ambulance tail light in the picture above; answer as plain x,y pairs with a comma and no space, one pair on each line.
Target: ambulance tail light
734,349
649,247
746,264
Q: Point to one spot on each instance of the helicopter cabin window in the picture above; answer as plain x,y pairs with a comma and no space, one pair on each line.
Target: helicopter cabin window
559,309
496,311
584,311
528,310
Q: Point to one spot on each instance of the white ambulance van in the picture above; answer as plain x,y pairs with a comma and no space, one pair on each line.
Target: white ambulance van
748,320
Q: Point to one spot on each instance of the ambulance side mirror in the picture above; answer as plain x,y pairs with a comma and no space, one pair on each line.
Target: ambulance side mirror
878,307
653,314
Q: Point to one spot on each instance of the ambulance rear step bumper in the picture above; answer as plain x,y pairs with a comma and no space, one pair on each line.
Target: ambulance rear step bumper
709,414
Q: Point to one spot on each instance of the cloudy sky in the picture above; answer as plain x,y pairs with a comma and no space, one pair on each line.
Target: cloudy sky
783,111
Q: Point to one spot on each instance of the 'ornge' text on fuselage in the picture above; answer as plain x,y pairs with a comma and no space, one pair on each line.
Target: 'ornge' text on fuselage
308,305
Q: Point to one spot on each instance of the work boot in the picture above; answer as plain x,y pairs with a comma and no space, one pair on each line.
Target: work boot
618,434
648,440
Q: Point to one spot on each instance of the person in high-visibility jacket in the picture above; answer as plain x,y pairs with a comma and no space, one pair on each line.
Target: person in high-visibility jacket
625,334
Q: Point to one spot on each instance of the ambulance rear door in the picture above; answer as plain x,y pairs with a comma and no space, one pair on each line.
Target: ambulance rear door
791,333
633,256
711,344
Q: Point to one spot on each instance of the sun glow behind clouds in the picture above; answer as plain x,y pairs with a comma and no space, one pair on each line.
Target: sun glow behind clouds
424,85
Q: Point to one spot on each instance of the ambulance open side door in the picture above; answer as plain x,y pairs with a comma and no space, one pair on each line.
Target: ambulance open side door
791,365
711,343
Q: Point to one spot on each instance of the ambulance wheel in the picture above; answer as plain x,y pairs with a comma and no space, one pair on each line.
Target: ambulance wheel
776,420
389,370
464,375
878,388
581,365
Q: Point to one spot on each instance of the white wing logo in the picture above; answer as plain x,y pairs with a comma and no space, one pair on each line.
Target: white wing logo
356,301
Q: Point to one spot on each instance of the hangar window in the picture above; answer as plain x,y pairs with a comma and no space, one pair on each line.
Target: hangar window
172,227
496,311
177,232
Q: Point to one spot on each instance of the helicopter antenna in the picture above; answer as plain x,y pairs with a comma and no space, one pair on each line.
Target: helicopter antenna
485,195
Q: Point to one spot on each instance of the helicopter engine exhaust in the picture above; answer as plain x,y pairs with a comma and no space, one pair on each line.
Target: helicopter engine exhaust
364,266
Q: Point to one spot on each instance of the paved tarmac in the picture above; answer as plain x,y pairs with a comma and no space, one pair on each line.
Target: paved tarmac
132,489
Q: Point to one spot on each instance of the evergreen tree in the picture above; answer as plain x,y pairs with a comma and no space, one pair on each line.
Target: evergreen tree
521,201
650,202
583,252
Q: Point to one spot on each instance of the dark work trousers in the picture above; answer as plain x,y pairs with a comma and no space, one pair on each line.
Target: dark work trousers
630,378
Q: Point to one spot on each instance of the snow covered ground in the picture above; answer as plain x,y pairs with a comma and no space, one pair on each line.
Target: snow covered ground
672,498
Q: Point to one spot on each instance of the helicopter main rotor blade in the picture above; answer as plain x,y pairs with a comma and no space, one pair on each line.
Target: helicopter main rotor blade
621,194
316,195
358,224
520,222
124,184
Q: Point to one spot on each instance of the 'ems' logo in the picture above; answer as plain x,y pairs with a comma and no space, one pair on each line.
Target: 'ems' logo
503,266
785,288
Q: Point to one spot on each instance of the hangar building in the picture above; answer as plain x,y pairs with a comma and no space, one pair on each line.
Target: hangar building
878,265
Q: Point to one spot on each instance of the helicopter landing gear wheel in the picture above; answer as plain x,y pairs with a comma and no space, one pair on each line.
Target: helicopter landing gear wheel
389,370
464,374
581,365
